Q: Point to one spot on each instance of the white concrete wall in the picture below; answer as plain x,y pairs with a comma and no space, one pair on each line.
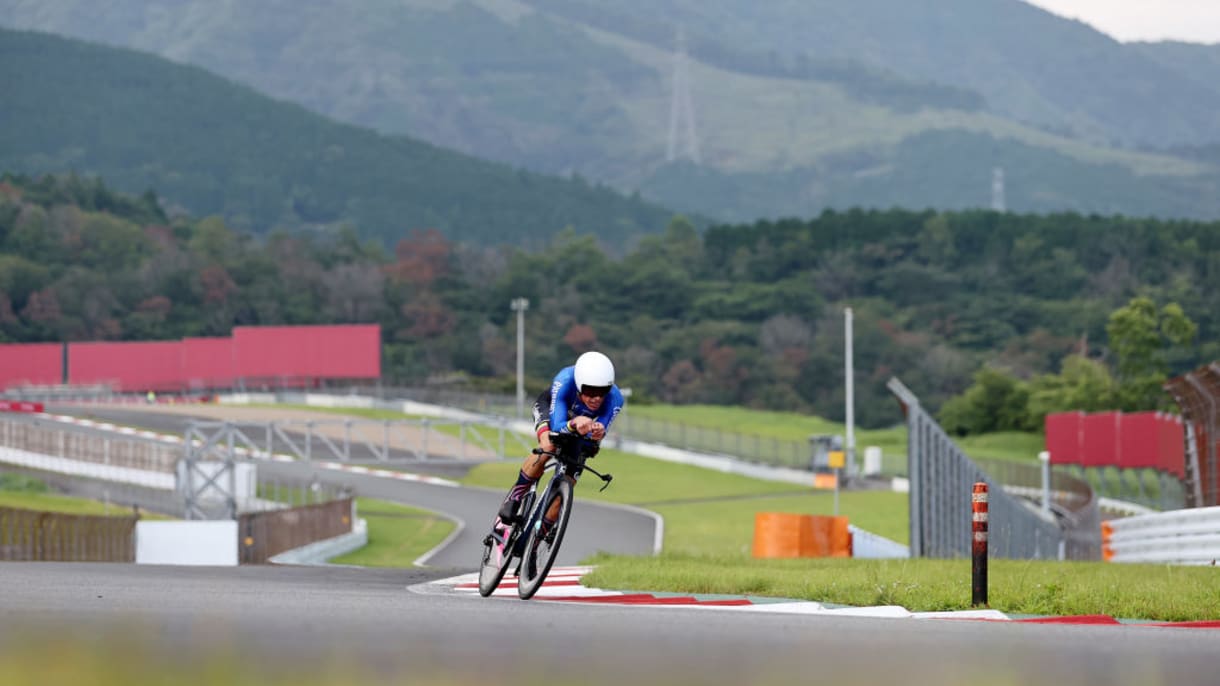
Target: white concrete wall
187,543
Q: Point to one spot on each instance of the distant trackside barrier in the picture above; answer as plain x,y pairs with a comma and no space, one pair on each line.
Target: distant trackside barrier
1188,537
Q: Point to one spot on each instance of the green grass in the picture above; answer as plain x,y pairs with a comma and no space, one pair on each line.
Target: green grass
28,493
1149,592
1014,446
50,502
640,480
398,534
707,511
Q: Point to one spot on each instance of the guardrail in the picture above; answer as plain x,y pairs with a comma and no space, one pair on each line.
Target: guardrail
1187,537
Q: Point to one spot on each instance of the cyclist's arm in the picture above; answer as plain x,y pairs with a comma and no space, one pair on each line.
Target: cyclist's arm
610,409
563,394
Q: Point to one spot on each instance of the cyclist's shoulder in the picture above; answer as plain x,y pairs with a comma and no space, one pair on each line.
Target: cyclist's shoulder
617,397
565,377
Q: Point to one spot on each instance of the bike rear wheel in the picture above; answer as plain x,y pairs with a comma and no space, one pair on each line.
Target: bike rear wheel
540,550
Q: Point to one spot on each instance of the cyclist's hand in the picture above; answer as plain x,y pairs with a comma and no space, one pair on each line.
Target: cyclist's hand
544,442
598,431
583,425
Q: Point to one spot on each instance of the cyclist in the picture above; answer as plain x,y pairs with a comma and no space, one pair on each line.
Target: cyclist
582,400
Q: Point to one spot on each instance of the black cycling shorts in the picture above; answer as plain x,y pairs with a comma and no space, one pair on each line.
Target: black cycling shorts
542,410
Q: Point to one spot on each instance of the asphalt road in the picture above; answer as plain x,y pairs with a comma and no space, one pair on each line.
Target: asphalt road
319,620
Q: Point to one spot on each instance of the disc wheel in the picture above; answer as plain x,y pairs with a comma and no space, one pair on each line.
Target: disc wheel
540,550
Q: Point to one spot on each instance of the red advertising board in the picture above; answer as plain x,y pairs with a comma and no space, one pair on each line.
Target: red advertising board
127,367
40,364
1172,446
1139,440
1100,446
208,363
308,352
1063,437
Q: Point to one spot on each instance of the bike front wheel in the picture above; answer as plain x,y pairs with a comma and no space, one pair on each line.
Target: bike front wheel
541,549
497,555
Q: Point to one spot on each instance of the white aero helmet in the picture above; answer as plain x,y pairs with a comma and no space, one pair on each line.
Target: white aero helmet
594,369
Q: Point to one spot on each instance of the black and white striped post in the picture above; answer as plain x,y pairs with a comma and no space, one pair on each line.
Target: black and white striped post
978,508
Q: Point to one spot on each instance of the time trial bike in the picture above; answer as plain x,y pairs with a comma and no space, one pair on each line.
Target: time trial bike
527,539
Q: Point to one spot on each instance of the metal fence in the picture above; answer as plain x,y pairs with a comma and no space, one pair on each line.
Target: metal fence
751,447
145,473
52,439
365,440
263,535
53,536
941,478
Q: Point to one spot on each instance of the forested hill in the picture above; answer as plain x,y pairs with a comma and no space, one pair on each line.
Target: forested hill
210,146
745,315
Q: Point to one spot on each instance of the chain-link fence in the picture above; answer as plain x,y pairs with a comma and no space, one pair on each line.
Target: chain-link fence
941,480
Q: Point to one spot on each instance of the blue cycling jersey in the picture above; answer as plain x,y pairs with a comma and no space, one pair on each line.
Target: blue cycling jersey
566,404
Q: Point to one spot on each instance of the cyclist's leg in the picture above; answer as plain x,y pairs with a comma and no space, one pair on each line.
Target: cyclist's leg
532,468
552,513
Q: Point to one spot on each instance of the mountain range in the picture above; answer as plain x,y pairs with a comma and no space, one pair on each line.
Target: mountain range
798,105
206,145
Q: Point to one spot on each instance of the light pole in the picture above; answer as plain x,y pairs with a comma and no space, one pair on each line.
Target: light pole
849,373
520,305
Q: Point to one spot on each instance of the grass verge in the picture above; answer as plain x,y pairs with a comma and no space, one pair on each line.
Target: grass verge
398,534
1149,592
28,493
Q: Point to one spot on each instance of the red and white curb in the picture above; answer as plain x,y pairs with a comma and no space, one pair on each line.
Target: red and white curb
253,454
563,584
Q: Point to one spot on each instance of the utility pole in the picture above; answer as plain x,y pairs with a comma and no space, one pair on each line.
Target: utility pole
849,378
998,201
520,305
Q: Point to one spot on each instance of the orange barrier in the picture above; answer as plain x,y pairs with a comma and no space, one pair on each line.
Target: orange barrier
778,534
1107,531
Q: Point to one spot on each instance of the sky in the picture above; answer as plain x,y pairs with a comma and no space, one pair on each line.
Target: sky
1193,21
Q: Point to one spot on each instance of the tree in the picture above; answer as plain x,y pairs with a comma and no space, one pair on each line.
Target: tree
1082,384
996,402
1140,338
354,292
